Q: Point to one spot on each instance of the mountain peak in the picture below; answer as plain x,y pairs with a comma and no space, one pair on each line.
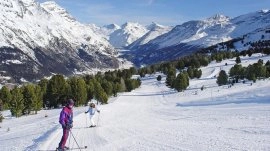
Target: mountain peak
53,7
51,3
28,2
265,10
112,26
218,18
154,25
130,24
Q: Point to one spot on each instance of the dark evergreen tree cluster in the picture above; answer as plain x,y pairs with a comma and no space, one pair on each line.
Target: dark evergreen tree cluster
187,66
223,55
260,46
252,72
21,100
52,93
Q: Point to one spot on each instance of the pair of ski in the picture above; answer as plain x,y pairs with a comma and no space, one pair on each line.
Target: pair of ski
66,149
74,148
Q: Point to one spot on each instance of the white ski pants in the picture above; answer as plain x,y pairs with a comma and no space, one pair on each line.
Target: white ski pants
91,119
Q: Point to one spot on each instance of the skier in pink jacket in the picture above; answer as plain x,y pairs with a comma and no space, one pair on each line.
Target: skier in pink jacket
66,120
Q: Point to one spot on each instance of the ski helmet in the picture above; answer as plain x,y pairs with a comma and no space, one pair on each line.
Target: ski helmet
70,102
92,105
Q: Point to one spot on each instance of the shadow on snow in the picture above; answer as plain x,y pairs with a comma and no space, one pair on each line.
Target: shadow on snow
222,101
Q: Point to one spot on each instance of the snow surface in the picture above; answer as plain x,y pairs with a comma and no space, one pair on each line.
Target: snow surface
154,117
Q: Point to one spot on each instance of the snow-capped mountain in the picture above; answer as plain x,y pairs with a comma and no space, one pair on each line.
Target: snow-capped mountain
128,33
193,35
155,30
41,39
105,31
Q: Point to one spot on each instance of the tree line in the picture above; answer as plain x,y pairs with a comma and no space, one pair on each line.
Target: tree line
252,72
180,71
52,93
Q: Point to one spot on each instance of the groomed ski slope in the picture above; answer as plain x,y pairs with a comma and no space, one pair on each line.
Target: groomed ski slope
156,118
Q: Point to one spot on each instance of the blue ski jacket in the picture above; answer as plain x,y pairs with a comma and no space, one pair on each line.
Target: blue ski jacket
92,111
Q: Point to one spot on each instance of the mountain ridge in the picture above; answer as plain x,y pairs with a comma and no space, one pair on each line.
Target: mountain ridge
194,35
50,41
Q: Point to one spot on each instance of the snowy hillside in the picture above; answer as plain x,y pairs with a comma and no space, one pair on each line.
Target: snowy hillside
155,30
106,30
43,38
128,33
154,117
193,35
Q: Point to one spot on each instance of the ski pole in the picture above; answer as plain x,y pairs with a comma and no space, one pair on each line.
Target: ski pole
75,139
85,120
98,118
69,141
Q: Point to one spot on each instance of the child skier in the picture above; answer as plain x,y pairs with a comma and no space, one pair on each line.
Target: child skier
66,120
92,110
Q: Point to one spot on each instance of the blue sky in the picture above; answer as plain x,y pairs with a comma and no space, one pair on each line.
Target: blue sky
165,12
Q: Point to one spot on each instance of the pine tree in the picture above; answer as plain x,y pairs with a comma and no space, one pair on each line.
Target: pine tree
170,77
123,85
116,88
81,95
5,96
187,77
16,103
180,65
98,93
78,90
190,72
129,84
1,117
159,78
43,86
267,63
180,83
222,78
238,60
107,86
1,105
237,71
29,96
197,73
103,98
38,100
90,90
57,91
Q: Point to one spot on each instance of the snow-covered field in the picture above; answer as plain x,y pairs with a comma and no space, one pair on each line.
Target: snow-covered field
154,117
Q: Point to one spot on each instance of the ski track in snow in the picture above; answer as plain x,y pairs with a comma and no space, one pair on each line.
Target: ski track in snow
154,117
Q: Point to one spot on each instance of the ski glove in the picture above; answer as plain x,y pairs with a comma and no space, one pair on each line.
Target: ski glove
67,126
70,126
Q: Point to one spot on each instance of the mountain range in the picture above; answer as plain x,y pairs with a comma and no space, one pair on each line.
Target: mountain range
41,39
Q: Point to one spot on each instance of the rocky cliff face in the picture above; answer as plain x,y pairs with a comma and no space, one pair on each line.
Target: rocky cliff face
37,40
